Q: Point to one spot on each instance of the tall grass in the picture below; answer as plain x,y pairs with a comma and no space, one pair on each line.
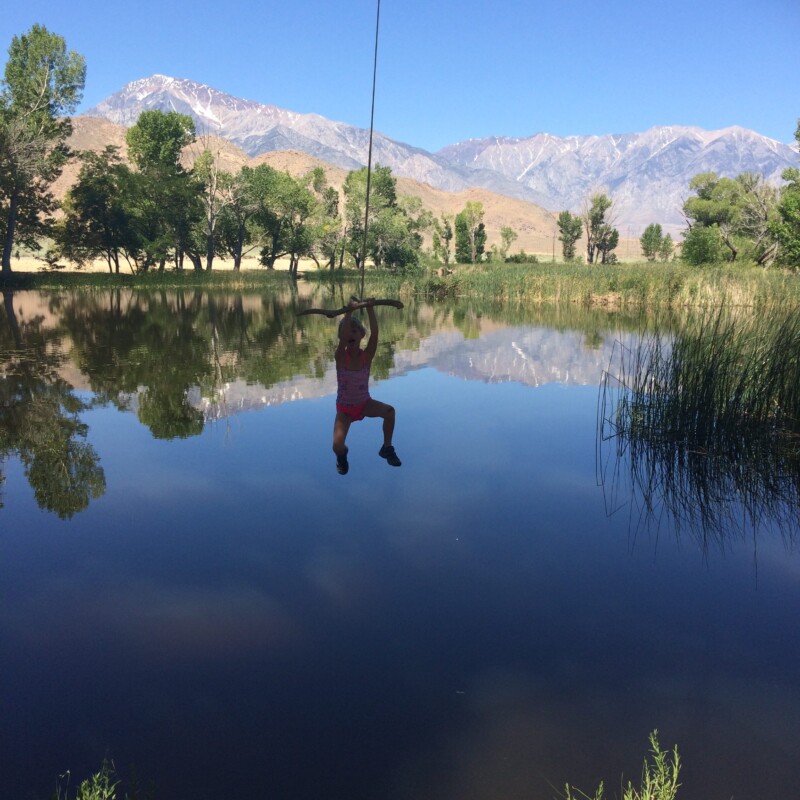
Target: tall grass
708,417
659,778
618,286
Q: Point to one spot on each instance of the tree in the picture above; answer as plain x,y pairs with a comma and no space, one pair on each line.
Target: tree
665,251
507,236
42,82
651,240
702,244
216,196
395,224
97,221
569,227
786,226
601,237
742,209
441,238
470,234
167,196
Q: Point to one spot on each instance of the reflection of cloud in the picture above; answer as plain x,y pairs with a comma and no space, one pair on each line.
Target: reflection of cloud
161,624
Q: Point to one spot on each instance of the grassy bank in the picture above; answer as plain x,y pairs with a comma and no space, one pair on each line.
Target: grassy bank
673,285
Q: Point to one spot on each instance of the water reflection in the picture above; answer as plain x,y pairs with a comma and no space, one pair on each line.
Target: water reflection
181,359
39,417
683,445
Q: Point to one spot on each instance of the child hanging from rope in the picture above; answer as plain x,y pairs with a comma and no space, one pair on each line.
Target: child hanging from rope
353,402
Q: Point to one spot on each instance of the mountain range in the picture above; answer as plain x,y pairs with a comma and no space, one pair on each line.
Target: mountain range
646,174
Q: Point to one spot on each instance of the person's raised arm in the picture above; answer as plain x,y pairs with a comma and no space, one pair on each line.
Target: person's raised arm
372,344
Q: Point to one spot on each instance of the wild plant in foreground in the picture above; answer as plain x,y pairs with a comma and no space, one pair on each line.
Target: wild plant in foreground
659,778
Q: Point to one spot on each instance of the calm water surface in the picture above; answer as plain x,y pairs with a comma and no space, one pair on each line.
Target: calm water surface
189,588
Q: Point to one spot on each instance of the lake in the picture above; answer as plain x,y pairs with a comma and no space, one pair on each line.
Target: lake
188,587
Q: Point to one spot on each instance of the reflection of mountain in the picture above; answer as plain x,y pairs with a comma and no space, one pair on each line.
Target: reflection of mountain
531,356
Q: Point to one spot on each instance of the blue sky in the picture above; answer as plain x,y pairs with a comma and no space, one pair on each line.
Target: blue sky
450,71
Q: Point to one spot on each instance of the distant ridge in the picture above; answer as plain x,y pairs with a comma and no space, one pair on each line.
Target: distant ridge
647,174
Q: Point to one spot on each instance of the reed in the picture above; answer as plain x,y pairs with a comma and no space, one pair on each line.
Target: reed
616,286
708,418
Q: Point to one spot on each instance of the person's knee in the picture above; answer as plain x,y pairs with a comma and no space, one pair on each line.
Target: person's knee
389,412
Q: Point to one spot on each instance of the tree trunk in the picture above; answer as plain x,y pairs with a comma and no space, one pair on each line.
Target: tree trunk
10,230
8,302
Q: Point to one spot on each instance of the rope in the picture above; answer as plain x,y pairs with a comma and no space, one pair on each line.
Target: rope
369,153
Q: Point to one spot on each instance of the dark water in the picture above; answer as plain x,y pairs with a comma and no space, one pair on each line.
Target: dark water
189,588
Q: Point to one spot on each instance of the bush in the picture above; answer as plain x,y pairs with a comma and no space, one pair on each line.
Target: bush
703,245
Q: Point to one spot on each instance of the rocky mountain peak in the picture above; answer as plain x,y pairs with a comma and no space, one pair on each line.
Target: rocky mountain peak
647,174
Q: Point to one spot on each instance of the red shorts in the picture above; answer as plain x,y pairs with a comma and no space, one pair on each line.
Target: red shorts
355,413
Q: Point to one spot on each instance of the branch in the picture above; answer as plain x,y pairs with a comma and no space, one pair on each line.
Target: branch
330,314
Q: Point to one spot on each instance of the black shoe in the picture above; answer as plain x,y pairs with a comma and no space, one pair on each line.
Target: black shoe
387,452
341,463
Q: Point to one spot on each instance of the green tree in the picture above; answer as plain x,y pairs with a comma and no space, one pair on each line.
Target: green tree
97,220
742,209
216,196
651,240
569,228
42,82
470,233
442,237
703,244
167,198
786,225
666,248
507,237
394,235
601,237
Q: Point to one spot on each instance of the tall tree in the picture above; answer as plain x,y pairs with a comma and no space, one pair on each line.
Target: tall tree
650,241
569,228
42,82
786,227
168,196
601,236
470,233
97,221
507,237
442,237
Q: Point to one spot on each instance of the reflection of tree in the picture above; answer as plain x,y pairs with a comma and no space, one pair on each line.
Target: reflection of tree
39,418
146,344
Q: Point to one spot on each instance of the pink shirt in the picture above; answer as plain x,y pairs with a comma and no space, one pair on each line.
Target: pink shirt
353,383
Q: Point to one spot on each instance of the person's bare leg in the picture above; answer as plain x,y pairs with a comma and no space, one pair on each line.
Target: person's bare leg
341,425
375,408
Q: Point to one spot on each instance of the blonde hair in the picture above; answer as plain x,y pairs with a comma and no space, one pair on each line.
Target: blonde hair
355,320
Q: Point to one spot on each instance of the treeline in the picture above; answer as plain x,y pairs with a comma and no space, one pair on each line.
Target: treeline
741,219
148,211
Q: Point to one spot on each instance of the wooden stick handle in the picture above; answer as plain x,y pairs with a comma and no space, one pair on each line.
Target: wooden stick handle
331,313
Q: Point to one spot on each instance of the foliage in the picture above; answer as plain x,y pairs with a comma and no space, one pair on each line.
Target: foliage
394,229
741,209
786,227
42,82
165,202
98,222
470,233
703,245
601,237
507,236
659,778
441,238
569,227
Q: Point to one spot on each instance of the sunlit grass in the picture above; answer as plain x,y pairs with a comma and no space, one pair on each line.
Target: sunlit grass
614,286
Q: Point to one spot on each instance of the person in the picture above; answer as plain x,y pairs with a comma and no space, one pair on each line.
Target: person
353,401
